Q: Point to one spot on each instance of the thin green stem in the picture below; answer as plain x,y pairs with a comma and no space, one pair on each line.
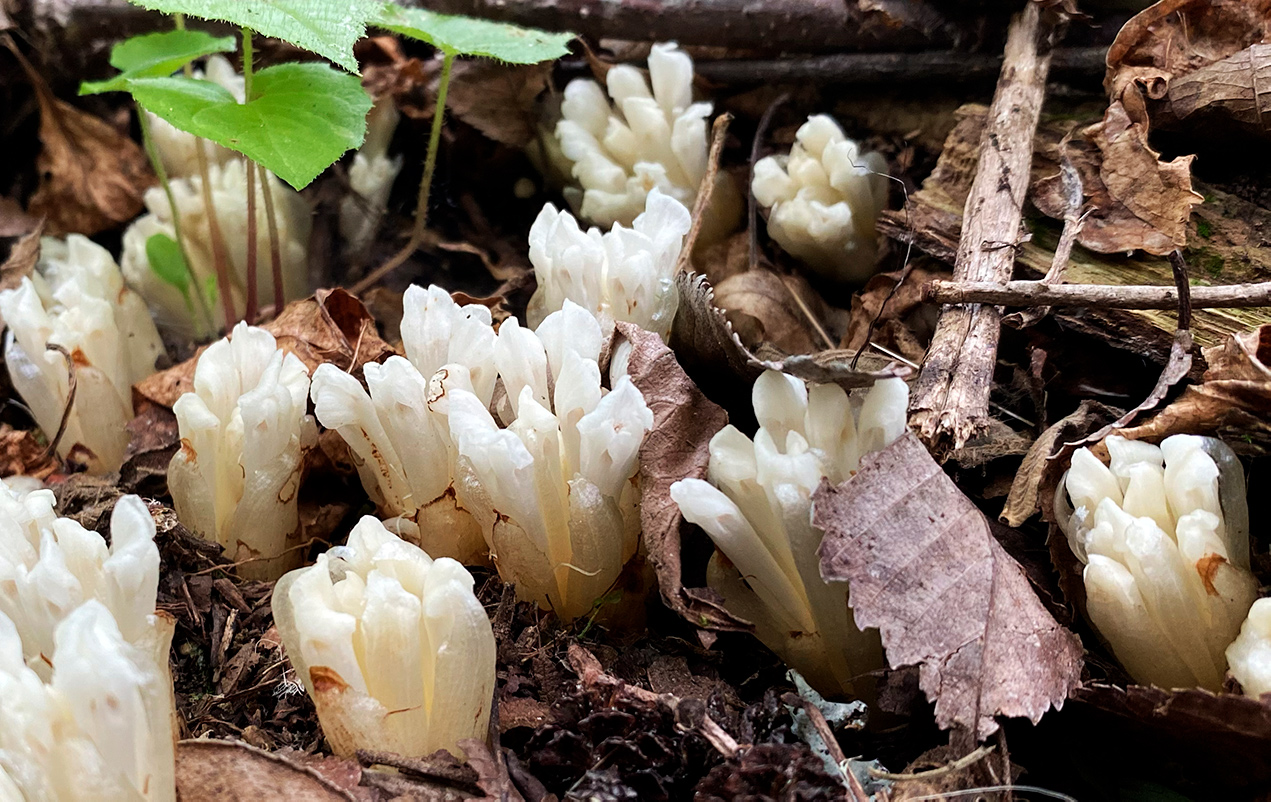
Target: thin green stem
425,184
247,64
157,163
249,312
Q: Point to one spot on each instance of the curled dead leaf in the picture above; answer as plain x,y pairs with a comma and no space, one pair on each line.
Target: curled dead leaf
229,771
925,569
499,100
22,258
781,311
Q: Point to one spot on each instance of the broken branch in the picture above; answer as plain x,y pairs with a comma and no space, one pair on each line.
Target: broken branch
1107,296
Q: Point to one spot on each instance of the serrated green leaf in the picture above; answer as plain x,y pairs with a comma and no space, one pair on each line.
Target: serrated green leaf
326,27
167,262
302,118
157,54
466,36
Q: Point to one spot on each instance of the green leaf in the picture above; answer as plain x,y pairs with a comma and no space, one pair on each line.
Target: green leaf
326,27
303,116
168,263
465,36
157,54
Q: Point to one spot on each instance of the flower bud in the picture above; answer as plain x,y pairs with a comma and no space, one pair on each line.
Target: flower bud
76,299
393,646
243,434
1249,655
757,508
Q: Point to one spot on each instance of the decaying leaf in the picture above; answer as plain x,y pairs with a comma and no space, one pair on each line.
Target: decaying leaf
1230,403
230,771
781,311
926,570
92,177
22,258
684,421
389,73
903,326
22,454
499,100
332,326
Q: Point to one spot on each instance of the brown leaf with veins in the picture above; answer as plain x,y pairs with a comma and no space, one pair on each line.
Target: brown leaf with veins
91,176
684,421
925,569
1230,403
767,308
22,454
499,100
22,258
230,771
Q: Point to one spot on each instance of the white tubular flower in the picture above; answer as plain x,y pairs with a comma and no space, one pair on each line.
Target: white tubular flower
392,645
554,492
371,177
1167,560
86,706
176,147
824,199
174,305
100,728
1249,655
627,274
403,449
243,435
76,299
757,508
651,137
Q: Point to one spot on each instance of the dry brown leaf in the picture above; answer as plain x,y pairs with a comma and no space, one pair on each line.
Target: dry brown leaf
767,308
91,176
387,72
331,326
926,570
14,222
22,258
684,421
22,454
902,328
231,771
1230,403
499,100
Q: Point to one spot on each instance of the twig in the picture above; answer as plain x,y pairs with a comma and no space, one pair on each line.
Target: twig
891,69
948,768
951,396
1101,296
719,129
822,727
227,566
71,385
1074,197
752,205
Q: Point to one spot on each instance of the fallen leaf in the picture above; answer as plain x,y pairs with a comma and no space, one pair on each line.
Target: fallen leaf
22,455
684,421
781,311
1231,401
13,221
91,176
231,771
155,438
331,326
388,73
926,570
499,100
492,771
22,258
903,326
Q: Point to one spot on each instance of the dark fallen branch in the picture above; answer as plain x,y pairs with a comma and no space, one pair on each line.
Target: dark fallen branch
1106,296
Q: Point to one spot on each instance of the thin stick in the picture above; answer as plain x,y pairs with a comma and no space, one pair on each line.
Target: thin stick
156,162
719,129
1099,296
71,385
425,185
275,248
957,765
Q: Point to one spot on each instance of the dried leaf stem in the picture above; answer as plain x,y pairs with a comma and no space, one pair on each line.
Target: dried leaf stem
951,396
71,385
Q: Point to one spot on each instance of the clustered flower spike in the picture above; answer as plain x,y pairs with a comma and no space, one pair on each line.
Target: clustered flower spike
757,508
392,645
76,299
626,275
371,177
243,433
1167,554
176,147
824,199
86,707
554,491
1249,655
174,305
404,451
653,136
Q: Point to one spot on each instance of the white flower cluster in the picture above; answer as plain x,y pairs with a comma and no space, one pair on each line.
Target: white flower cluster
757,508
86,707
626,275
403,448
243,434
371,177
392,645
653,136
1167,555
173,302
76,299
1249,655
824,199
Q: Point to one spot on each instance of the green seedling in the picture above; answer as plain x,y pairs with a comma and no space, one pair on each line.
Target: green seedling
456,36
